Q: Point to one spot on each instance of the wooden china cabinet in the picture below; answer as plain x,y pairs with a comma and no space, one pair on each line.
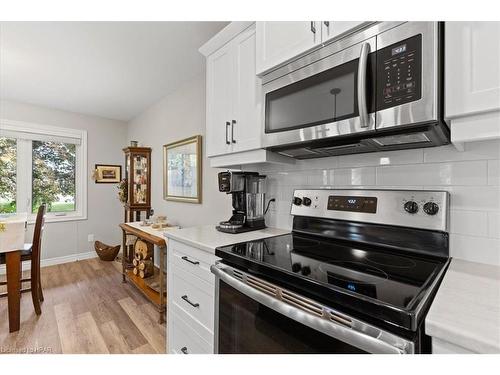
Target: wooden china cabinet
138,175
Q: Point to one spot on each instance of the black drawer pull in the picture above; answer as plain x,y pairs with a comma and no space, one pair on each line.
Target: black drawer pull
184,350
190,261
185,298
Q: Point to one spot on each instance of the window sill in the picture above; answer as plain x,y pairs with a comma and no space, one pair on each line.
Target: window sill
58,219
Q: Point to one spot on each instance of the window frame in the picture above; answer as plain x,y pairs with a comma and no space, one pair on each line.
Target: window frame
25,168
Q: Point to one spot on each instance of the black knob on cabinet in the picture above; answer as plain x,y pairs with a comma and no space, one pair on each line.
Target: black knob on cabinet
431,208
411,207
306,201
297,201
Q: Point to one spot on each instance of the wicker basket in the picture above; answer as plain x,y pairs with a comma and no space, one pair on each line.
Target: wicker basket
106,252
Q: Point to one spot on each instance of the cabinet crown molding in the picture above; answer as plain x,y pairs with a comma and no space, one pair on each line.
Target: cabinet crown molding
224,36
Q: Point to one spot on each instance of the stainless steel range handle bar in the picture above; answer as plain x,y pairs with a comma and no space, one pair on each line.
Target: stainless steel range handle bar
313,314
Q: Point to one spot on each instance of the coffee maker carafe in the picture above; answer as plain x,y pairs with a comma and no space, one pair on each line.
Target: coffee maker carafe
247,190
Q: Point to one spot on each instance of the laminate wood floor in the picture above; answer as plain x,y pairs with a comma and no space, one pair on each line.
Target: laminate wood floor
87,309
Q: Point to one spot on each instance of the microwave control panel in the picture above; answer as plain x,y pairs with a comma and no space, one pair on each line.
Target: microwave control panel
399,73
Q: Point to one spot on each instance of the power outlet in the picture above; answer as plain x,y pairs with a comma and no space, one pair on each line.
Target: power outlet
90,238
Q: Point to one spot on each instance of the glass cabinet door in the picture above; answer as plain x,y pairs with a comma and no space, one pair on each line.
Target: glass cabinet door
139,179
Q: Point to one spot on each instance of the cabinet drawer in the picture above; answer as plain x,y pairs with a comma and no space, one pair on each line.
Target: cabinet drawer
202,331
185,340
194,296
193,261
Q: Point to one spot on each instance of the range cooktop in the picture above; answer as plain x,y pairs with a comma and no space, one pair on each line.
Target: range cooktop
378,269
389,278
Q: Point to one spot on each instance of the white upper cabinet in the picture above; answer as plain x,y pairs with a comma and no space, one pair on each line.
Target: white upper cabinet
219,101
332,29
472,67
233,96
245,123
280,41
472,80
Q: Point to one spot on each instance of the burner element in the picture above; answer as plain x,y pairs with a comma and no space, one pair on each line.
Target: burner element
354,272
390,261
299,242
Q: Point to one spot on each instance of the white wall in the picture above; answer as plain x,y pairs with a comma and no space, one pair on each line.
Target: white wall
106,138
472,177
177,116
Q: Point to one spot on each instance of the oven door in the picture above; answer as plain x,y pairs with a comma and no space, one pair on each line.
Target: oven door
255,316
331,97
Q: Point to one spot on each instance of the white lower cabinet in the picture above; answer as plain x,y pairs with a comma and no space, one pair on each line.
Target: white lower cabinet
190,299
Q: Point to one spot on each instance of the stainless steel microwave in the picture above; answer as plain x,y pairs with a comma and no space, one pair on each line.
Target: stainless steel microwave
377,89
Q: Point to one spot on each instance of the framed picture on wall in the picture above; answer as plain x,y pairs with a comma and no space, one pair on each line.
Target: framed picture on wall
182,170
108,174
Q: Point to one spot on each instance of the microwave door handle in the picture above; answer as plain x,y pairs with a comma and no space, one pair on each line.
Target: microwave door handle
362,67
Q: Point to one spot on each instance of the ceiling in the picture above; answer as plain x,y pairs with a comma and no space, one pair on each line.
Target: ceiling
110,69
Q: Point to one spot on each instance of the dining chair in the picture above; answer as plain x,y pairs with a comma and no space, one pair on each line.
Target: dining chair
31,252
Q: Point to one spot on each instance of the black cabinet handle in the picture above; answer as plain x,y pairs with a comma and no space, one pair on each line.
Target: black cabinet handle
327,23
184,350
232,131
185,298
190,261
313,28
227,127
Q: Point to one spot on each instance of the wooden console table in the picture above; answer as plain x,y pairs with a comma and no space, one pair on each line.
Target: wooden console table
155,237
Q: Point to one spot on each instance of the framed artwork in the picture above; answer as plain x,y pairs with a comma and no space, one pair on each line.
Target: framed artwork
108,174
182,170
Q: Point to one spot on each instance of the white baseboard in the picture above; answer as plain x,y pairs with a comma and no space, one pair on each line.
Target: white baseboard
57,260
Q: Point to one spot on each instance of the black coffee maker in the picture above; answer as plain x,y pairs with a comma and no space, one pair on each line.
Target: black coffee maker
247,189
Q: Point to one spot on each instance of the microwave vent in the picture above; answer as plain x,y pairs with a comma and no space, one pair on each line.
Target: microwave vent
402,139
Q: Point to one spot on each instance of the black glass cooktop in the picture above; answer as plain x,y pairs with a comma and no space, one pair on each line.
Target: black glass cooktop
382,277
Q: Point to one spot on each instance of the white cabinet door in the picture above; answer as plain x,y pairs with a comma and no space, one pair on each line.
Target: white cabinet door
220,86
332,29
280,41
472,71
245,124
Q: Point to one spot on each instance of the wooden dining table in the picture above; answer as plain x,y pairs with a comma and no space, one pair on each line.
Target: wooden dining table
12,232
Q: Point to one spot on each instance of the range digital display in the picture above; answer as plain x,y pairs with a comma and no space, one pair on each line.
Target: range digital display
352,204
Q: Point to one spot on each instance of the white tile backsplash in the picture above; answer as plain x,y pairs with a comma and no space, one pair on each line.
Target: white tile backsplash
493,172
494,224
381,158
472,177
451,173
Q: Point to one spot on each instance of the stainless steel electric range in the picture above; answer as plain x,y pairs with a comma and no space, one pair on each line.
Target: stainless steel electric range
357,274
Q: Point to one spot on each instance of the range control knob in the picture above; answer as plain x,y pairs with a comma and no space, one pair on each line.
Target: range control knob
297,201
431,208
306,270
296,267
411,207
306,201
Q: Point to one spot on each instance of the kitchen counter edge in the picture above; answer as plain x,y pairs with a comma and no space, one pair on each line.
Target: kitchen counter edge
207,238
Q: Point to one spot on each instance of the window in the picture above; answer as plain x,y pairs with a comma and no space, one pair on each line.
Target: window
8,157
42,164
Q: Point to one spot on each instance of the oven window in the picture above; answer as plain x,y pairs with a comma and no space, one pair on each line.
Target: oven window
247,327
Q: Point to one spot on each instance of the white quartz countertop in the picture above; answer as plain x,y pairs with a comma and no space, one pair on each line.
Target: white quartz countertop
466,309
207,238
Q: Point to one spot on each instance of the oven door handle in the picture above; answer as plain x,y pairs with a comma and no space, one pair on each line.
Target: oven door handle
358,337
362,68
